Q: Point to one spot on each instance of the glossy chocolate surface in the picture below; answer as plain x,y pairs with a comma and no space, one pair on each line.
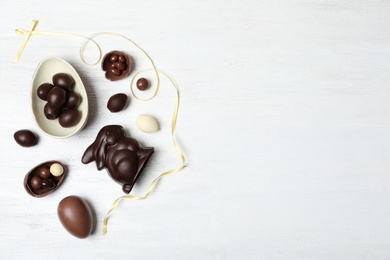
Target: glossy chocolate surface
25,138
37,186
76,216
69,117
142,84
63,80
117,65
122,156
43,90
117,102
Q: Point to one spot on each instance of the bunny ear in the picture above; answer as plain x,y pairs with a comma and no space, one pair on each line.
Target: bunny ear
88,155
100,154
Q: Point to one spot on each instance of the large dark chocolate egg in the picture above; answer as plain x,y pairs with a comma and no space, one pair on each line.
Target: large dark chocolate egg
69,117
64,81
76,216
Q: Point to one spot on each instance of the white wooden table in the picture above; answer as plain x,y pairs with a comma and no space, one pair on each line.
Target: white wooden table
284,118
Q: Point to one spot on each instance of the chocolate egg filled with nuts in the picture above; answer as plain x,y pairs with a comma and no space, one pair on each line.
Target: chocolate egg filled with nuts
117,65
40,181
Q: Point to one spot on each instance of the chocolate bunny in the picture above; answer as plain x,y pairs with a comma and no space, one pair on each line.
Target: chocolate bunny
123,156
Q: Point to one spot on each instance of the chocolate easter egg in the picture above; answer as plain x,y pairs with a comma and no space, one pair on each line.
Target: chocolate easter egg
56,97
117,102
76,216
69,117
72,99
63,80
25,138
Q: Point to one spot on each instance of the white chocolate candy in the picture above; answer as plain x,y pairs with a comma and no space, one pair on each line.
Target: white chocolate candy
147,123
56,169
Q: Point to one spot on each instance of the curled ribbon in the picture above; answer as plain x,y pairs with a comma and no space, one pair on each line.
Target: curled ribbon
152,185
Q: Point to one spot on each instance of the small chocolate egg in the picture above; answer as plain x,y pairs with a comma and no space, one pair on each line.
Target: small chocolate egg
142,84
56,97
36,182
43,90
69,117
113,58
44,172
51,113
72,99
146,123
76,216
63,80
119,65
117,102
56,169
25,138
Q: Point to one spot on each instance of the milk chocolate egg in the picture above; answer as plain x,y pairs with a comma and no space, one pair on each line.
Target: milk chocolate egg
64,81
56,97
72,99
25,138
43,90
69,117
76,216
117,102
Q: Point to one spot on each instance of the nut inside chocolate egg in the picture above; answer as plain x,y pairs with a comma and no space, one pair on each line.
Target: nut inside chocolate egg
40,182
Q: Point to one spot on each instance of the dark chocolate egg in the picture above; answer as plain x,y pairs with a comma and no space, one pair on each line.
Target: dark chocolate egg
25,138
56,97
69,117
64,81
117,102
51,113
76,216
72,99
43,90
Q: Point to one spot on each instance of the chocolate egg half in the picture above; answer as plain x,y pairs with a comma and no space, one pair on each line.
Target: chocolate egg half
76,216
39,184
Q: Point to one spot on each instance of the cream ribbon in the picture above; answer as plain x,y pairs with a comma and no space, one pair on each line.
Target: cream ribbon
152,185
